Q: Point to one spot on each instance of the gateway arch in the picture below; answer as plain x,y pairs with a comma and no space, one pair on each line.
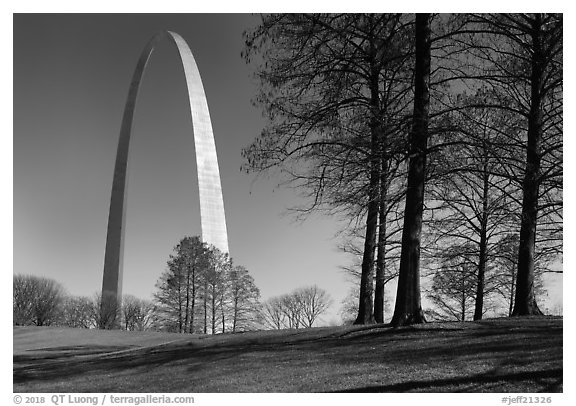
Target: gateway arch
212,216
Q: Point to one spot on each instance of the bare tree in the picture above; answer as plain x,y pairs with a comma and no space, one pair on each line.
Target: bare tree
272,315
453,289
473,201
525,61
23,291
314,302
77,312
408,308
178,288
216,290
201,292
300,308
36,300
137,314
332,87
389,244
292,310
507,266
349,307
244,299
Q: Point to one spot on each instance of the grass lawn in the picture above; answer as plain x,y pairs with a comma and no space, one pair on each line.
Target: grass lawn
498,355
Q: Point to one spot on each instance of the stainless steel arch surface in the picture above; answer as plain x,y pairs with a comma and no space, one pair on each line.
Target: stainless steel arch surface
212,215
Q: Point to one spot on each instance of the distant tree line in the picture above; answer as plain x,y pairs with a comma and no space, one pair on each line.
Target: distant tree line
436,137
39,301
200,291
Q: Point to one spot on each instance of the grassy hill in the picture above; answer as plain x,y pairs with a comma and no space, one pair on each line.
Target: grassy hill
499,355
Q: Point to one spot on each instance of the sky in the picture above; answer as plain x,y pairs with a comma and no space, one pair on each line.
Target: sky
70,80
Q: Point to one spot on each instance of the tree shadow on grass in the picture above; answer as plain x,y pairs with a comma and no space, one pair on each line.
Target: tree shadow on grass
424,343
550,379
395,348
55,353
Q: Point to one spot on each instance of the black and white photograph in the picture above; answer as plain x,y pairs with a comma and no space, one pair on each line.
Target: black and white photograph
264,203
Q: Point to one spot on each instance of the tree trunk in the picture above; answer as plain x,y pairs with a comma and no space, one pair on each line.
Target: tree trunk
187,316
206,308
463,298
408,308
512,289
381,257
365,309
235,318
193,304
525,301
479,304
213,309
223,320
223,311
180,318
